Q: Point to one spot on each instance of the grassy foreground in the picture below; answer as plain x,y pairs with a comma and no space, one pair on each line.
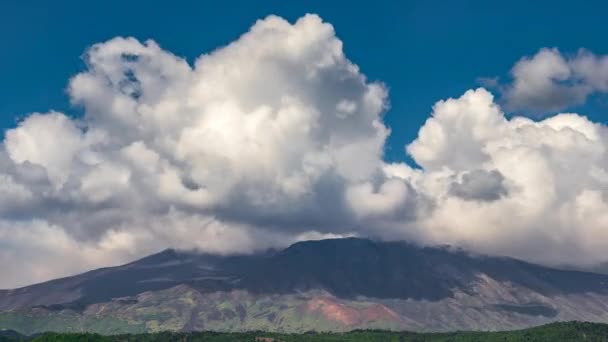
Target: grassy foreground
564,331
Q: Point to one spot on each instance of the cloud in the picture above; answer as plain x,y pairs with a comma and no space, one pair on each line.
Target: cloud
480,185
518,187
265,135
49,140
278,137
549,81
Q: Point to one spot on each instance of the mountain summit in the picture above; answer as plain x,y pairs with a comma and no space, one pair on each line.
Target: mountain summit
335,284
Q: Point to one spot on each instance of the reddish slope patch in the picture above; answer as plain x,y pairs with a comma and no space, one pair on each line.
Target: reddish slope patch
349,315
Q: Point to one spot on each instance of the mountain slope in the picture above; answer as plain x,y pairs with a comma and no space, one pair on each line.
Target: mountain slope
337,284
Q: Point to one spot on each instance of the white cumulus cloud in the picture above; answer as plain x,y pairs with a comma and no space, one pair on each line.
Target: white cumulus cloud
278,137
516,186
253,145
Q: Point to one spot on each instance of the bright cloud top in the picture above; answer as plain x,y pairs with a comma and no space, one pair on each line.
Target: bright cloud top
278,137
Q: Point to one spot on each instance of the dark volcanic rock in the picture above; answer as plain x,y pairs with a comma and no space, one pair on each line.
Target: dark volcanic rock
346,268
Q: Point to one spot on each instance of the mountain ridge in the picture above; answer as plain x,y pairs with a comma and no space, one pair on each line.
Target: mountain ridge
333,284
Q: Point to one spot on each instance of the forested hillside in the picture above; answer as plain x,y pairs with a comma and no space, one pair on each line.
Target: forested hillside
567,331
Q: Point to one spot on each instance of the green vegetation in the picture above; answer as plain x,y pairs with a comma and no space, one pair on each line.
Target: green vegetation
32,323
566,331
182,308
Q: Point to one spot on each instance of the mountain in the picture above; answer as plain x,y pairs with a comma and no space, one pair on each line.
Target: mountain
10,335
329,285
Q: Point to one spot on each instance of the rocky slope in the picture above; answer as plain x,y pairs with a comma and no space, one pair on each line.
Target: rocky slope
338,285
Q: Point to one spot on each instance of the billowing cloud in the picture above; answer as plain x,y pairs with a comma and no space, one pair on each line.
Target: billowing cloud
255,144
550,81
518,187
275,138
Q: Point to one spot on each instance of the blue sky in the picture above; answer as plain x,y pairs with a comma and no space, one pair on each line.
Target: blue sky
422,50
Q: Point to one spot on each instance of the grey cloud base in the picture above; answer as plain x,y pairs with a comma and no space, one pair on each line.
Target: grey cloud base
480,185
275,138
